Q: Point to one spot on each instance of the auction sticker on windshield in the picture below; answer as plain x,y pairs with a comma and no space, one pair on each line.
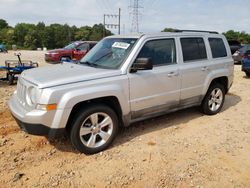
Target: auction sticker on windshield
122,45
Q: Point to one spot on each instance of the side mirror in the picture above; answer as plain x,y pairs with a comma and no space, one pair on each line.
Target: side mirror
142,64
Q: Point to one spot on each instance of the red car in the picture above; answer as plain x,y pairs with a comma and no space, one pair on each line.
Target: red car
73,51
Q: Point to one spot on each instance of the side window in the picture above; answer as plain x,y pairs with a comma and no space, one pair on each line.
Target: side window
217,47
83,47
161,51
193,49
91,45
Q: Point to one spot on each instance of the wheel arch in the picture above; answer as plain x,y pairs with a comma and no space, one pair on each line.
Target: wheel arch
110,101
223,80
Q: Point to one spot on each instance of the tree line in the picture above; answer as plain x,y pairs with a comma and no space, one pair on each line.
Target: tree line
241,36
33,36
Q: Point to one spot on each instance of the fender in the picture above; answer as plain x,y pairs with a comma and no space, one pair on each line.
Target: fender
213,75
73,97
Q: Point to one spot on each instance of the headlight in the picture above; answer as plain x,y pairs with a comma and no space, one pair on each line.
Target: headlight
53,53
32,95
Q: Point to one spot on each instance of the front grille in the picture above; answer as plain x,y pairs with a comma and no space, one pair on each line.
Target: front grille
21,92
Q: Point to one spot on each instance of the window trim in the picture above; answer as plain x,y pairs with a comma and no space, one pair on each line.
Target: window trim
158,39
194,60
212,50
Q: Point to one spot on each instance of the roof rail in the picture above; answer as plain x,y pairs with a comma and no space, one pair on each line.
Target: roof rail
213,32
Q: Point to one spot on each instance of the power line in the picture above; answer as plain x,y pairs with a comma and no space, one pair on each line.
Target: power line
110,24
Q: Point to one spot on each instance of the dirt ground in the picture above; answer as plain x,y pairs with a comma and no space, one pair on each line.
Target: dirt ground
182,149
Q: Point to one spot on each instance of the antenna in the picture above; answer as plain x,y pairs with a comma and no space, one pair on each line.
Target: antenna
135,6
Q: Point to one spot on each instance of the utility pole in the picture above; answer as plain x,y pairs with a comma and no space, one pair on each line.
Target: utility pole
135,6
104,29
111,24
119,22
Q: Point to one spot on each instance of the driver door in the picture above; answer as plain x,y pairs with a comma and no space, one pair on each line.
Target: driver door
80,51
157,90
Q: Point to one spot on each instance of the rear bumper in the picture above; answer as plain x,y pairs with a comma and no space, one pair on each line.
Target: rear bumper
245,65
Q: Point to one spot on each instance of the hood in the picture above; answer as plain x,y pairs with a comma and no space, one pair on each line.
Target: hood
65,73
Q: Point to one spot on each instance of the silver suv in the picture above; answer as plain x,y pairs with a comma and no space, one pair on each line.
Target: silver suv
124,79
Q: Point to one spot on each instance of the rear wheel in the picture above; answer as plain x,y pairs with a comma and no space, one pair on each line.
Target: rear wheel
214,99
94,129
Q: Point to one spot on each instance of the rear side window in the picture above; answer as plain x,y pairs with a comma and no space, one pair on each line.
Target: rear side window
193,49
92,45
161,51
217,47
84,46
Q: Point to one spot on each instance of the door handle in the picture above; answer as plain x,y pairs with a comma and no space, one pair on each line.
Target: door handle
173,74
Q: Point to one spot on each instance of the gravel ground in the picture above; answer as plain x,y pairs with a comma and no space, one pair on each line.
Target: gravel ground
181,149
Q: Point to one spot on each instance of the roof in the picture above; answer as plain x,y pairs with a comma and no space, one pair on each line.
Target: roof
166,34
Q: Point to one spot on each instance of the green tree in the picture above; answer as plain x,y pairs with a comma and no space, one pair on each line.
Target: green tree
3,24
20,32
242,37
97,32
169,30
31,36
7,37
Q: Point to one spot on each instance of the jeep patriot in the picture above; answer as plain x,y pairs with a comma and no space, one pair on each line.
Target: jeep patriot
124,79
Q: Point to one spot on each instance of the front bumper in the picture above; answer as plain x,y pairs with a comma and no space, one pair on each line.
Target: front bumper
39,129
51,59
36,122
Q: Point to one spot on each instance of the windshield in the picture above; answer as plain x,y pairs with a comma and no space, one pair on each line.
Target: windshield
71,46
109,53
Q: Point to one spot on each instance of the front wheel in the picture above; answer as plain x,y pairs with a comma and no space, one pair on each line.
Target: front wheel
94,129
214,99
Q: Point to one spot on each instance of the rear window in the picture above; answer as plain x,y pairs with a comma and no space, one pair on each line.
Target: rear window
193,49
217,47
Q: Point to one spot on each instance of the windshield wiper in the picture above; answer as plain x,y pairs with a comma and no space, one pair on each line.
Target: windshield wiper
89,64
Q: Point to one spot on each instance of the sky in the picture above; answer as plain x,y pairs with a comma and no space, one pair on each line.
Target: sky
155,15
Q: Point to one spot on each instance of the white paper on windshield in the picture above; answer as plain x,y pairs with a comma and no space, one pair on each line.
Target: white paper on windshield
122,45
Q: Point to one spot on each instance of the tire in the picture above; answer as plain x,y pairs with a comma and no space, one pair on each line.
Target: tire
10,78
247,74
213,100
95,138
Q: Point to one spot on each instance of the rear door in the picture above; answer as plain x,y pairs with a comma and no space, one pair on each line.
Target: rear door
157,90
194,70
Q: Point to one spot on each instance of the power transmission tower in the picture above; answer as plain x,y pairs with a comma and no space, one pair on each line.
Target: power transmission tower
135,6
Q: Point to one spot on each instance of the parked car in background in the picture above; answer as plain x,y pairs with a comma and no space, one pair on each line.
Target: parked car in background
234,45
238,55
246,63
73,51
3,48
